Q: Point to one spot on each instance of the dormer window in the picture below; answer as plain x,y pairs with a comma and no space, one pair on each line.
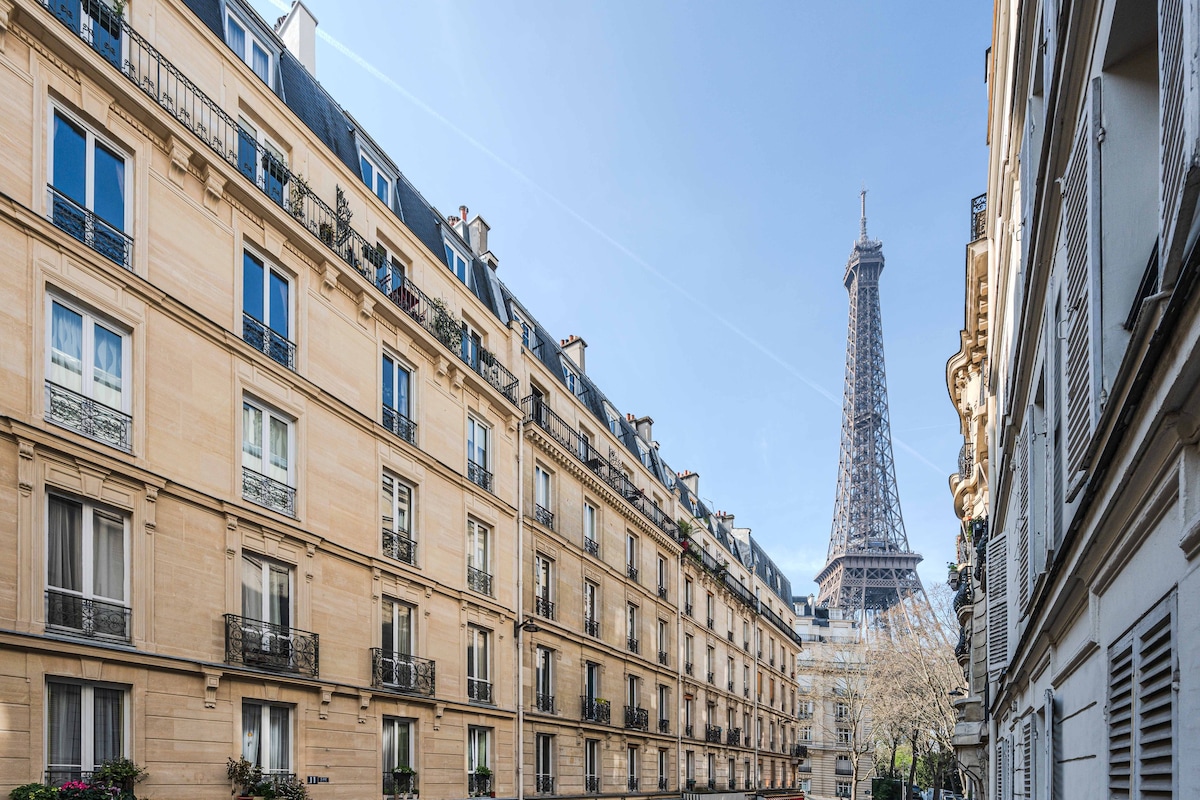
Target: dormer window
248,48
376,179
526,331
610,415
572,379
456,261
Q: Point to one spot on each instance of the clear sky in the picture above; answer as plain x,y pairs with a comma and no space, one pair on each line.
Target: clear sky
678,184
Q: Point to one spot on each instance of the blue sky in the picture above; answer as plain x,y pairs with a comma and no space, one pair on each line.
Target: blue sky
678,184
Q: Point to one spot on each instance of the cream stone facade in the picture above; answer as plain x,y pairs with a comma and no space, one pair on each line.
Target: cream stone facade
287,472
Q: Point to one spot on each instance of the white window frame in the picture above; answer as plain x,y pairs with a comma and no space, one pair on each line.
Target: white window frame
91,140
263,143
396,646
571,377
631,621
477,735
613,419
269,269
87,722
392,512
475,428
265,746
251,41
543,677
378,174
541,487
455,258
589,521
88,511
87,367
265,589
543,577
479,545
269,413
399,365
402,759
526,328
544,755
479,640
591,759
631,550
591,601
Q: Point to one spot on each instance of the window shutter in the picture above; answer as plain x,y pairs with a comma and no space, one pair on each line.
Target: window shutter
1120,711
1050,43
1029,158
1026,760
1022,485
1170,114
1001,783
1154,708
1051,724
997,603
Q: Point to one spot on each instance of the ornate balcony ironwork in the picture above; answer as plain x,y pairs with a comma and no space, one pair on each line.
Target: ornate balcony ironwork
733,737
965,595
593,710
662,657
632,783
86,416
545,703
397,545
800,750
544,515
267,492
712,784
966,461
263,645
543,607
402,673
662,591
632,644
479,690
729,686
275,346
631,571
544,784
687,667
86,616
479,581
664,726
479,476
637,718
729,636
400,425
478,785
687,609
86,226
57,776
712,677
663,784
689,785
978,217
400,783
591,546
712,733
591,627
963,648
591,784
710,623
687,730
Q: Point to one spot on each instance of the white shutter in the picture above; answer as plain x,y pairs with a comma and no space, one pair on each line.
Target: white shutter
1001,783
997,603
1030,152
1154,708
1049,763
1170,114
1021,478
1050,43
1026,760
1120,716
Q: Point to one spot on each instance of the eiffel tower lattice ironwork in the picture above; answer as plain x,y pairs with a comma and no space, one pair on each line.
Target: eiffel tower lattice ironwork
870,567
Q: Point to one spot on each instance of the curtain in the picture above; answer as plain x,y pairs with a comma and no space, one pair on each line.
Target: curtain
402,504
106,367
237,37
251,732
403,630
279,608
281,744
251,437
65,545
108,724
260,62
391,758
108,556
252,588
279,450
64,736
66,348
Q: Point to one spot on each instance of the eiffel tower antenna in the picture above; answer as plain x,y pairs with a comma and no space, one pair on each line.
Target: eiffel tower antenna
870,567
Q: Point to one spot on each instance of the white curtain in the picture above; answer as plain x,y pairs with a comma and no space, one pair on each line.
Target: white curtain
64,737
252,588
252,438
281,745
251,732
66,348
396,744
65,545
279,607
108,556
279,450
109,704
106,371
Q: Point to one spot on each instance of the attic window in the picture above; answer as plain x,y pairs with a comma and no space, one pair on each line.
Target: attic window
526,331
376,179
248,47
456,261
644,453
613,419
572,379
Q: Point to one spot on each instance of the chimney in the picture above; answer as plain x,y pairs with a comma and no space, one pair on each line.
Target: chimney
478,230
725,518
298,30
691,480
643,429
574,346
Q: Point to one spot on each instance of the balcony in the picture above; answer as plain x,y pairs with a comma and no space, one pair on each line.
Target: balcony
632,783
400,672
543,607
746,692
480,691
398,546
662,657
712,677
591,546
710,623
687,609
261,645
479,476
631,644
729,686
478,785
712,733
88,417
592,627
733,737
631,571
591,784
662,592
545,703
966,461
268,342
84,616
663,784
479,581
637,718
593,710
86,226
978,217
689,785
688,730
687,667
267,492
544,784
729,636
664,726
843,769
400,425
712,784
544,516
800,751
400,783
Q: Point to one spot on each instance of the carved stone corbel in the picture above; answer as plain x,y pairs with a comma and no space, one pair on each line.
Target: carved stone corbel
25,465
214,188
329,278
8,12
212,680
180,154
326,699
364,702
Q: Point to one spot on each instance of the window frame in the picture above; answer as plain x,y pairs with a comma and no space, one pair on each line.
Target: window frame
479,533
454,257
251,40
87,732
248,130
477,735
366,159
475,425
87,535
590,526
89,320
268,413
264,590
542,487
403,759
92,138
269,269
265,746
479,642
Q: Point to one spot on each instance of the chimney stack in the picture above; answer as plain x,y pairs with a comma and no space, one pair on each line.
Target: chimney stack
574,346
691,480
727,519
644,425
298,30
478,230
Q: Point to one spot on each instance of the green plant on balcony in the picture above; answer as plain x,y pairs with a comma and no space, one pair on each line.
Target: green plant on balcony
245,775
297,193
290,788
120,773
34,791
447,330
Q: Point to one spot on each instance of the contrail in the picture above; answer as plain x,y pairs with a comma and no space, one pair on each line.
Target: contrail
683,291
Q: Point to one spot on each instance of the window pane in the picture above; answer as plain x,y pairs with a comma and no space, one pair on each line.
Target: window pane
108,724
402,391
64,737
279,450
252,589
382,187
389,383
106,367
108,189
281,740
252,733
252,287
236,35
66,348
260,62
108,556
65,545
403,501
280,607
70,167
279,304
252,436
368,172
403,616
247,152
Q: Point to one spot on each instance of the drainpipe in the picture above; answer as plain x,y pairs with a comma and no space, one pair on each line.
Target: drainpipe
679,672
757,675
518,632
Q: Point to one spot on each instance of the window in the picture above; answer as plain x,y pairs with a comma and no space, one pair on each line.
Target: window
710,664
266,465
263,162
397,752
457,262
571,378
479,438
631,627
395,666
662,641
664,700
688,656
631,761
85,387
842,765
397,399
843,736
86,725
479,577
541,497
397,500
266,591
710,609
805,734
591,765
687,596
267,736
266,311
470,344
543,569
662,577
526,330
613,419
479,683
591,622
478,756
842,789
390,275
543,746
664,774
376,180
87,573
841,711
248,48
590,543
631,556
88,193
543,679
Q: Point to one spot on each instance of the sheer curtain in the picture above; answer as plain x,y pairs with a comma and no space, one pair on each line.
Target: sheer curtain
108,556
281,744
65,545
106,371
64,734
252,588
109,705
252,437
66,348
251,732
279,450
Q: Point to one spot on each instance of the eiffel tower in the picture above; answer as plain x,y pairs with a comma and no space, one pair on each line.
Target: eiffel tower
870,567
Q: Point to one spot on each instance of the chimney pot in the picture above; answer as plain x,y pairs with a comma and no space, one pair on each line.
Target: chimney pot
691,480
574,346
298,31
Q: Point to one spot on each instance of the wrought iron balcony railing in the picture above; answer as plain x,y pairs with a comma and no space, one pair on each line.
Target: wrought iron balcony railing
712,733
591,627
544,784
254,643
963,648
265,491
632,783
57,776
86,416
710,623
729,635
543,607
478,785
662,657
663,784
545,703
965,595
800,750
729,686
687,667
86,616
712,784
400,425
712,677
398,545
593,710
689,784
978,217
632,644
87,226
687,730
966,461
687,609
402,673
275,346
664,726
544,515
733,737
479,476
591,784
479,690
632,571
400,783
479,581
591,546
662,591
637,718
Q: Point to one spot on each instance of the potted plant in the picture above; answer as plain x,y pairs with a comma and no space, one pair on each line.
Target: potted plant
120,773
404,780
288,788
483,782
245,775
952,576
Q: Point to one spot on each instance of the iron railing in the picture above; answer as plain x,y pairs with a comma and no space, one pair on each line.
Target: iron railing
254,643
632,571
479,690
265,491
89,417
733,737
398,545
57,776
632,783
86,226
593,710
687,730
479,476
965,595
687,609
978,217
632,644
545,703
271,343
591,546
662,591
664,726
403,673
544,515
478,785
544,784
591,784
591,627
543,607
712,677
400,783
729,686
963,648
712,733
663,784
966,461
400,425
637,718
87,616
712,622
687,667
663,657
800,750
479,581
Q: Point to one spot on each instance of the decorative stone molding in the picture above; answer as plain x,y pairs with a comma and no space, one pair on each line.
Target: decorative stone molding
180,155
25,467
214,188
326,699
329,278
8,13
212,680
364,703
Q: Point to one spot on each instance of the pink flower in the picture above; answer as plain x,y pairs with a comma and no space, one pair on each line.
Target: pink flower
75,785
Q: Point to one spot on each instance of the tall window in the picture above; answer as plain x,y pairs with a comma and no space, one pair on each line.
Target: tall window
89,194
631,555
574,385
478,749
267,612
662,641
687,596
541,497
543,746
397,400
688,654
631,627
397,628
664,776
397,751
376,179
457,262
266,311
591,621
85,390
664,710
631,766
470,343
267,736
590,543
248,48
479,442
85,726
260,160
397,499
614,424
591,765
662,577
542,586
479,673
543,679
266,463
479,576
87,569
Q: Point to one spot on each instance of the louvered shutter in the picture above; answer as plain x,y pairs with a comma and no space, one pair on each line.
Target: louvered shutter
1120,718
1030,152
1050,755
1026,761
1170,114
1049,42
1155,708
997,603
1021,478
